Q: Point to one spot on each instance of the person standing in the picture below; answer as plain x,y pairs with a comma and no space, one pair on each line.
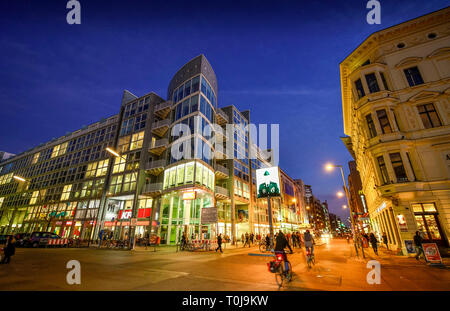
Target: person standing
385,240
373,240
219,243
10,250
418,241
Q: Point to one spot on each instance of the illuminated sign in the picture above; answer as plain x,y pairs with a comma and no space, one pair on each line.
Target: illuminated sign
268,182
191,195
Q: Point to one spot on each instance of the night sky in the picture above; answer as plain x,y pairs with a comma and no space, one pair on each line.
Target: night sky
280,59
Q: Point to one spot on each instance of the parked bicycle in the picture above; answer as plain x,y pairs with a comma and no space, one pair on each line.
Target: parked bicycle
263,246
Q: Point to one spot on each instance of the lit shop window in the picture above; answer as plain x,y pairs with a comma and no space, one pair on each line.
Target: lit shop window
137,140
35,158
66,192
102,167
98,187
119,165
59,150
184,174
129,183
237,187
246,191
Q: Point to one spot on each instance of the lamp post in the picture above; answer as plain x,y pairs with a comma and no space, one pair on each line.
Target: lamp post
133,211
330,167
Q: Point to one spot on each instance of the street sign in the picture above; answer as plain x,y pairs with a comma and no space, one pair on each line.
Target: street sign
268,182
209,215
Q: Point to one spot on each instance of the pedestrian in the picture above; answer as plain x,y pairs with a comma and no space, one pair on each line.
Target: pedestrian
247,239
373,240
219,243
418,241
385,240
10,250
267,242
243,238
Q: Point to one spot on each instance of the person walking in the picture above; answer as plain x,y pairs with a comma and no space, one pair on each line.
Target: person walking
10,250
252,236
385,240
373,240
247,240
267,242
418,241
219,243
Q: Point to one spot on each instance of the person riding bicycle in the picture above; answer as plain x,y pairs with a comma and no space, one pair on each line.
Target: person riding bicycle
281,244
309,242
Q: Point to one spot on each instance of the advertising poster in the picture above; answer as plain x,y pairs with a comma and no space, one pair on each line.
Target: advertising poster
431,252
242,215
268,182
410,248
402,223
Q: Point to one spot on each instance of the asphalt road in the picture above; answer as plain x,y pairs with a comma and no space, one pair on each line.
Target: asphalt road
337,268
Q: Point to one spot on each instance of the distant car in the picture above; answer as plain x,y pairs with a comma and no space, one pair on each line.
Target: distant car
38,239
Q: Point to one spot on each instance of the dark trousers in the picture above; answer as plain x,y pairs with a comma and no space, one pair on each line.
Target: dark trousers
219,247
419,252
6,259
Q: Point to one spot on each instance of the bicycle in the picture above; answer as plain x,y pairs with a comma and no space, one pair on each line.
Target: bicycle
310,260
263,247
278,267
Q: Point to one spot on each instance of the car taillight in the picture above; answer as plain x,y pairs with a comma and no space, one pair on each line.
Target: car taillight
279,257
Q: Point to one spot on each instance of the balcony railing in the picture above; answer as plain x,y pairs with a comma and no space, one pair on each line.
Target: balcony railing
222,117
160,127
159,146
222,171
155,167
153,188
222,193
163,109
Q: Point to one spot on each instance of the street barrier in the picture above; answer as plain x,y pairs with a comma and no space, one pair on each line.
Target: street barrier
58,242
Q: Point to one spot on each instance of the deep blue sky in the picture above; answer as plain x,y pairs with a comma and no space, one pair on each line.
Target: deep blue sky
280,59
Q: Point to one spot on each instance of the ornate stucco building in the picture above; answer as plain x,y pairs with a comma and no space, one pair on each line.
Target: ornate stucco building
395,96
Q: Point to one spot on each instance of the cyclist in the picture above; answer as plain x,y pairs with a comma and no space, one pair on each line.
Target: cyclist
309,242
281,244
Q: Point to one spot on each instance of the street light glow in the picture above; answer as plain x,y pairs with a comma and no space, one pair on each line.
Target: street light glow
112,152
19,178
329,167
344,206
340,194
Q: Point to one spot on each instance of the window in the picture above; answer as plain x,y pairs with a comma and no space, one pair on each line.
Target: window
398,167
34,197
359,89
428,222
91,169
383,170
59,150
372,83
116,184
119,165
129,183
384,121
66,192
102,168
136,140
124,143
35,158
371,126
429,116
413,76
86,189
383,79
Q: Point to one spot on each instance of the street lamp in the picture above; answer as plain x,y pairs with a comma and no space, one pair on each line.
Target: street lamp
344,206
329,167
117,155
340,194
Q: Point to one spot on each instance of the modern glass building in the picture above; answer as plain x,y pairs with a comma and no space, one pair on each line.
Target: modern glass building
162,169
